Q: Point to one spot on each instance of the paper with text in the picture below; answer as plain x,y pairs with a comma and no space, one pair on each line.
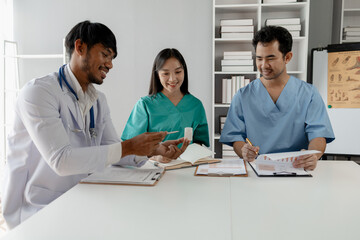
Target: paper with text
225,167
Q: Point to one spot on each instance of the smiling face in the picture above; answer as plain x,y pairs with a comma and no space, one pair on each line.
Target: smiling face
270,62
171,76
97,63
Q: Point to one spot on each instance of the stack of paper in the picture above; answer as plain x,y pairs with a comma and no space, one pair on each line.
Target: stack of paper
291,24
237,28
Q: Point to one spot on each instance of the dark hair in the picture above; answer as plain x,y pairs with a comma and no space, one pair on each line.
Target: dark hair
165,54
91,34
270,33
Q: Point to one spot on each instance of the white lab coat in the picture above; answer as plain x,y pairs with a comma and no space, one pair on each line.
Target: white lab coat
50,149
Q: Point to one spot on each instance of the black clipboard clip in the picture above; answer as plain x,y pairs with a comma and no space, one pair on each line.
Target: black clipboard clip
156,176
284,173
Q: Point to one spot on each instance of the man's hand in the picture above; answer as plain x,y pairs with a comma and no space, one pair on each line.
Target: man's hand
168,150
249,153
308,162
143,144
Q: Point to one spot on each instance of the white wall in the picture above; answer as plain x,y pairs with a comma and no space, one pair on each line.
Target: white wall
142,28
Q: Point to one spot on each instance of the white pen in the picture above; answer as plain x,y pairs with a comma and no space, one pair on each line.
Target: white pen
172,132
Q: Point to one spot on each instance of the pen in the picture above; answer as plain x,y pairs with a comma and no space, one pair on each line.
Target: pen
248,141
172,132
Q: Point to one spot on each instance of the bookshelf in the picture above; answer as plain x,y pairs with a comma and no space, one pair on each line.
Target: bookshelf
259,12
349,16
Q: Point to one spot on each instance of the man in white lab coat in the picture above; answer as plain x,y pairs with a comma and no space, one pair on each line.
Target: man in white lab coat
63,130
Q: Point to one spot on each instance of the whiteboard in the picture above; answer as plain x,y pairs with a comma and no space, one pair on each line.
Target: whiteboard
345,121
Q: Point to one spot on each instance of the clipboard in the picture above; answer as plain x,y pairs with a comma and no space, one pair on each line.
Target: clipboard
226,168
279,174
115,175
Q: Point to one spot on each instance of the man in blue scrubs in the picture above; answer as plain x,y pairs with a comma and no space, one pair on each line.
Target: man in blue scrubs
277,112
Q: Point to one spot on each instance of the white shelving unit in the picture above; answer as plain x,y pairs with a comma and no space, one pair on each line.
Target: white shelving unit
11,86
350,16
259,12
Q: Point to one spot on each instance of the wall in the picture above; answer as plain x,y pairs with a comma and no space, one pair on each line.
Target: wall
142,28
320,26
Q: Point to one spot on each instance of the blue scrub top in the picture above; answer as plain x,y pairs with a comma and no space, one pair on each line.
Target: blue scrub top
298,116
154,114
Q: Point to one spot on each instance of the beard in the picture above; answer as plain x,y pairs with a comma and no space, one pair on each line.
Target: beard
87,69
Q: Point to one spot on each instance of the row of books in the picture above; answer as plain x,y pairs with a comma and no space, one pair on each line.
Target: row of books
352,33
231,85
237,61
244,28
237,28
291,24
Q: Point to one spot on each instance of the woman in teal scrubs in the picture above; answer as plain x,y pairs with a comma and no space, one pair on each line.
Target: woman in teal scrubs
169,105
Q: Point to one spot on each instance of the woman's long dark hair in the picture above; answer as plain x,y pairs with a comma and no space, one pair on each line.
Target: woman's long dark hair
165,54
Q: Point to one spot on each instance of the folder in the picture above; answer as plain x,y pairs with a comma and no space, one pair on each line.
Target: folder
280,164
226,168
115,175
298,173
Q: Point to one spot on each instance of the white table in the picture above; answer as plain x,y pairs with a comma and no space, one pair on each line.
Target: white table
182,206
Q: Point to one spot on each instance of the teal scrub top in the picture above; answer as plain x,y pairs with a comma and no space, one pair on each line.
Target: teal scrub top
158,113
298,116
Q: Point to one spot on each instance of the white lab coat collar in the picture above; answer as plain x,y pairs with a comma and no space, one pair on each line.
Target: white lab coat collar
86,99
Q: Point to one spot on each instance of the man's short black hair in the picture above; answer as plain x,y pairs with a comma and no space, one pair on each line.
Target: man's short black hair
91,34
270,33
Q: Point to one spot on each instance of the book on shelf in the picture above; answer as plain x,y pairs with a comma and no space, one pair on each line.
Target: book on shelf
279,1
237,35
237,28
289,27
194,154
228,62
237,57
282,21
224,90
230,86
352,33
228,90
352,38
222,123
234,86
295,33
238,53
237,68
236,22
352,28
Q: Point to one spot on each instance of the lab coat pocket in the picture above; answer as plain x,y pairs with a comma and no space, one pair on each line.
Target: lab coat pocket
42,196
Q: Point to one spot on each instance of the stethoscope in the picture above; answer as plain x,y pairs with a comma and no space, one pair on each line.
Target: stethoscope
92,122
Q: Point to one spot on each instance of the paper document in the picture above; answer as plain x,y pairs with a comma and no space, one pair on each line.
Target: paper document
120,175
279,163
228,167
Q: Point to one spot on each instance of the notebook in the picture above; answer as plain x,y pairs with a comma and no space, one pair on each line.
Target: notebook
194,154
